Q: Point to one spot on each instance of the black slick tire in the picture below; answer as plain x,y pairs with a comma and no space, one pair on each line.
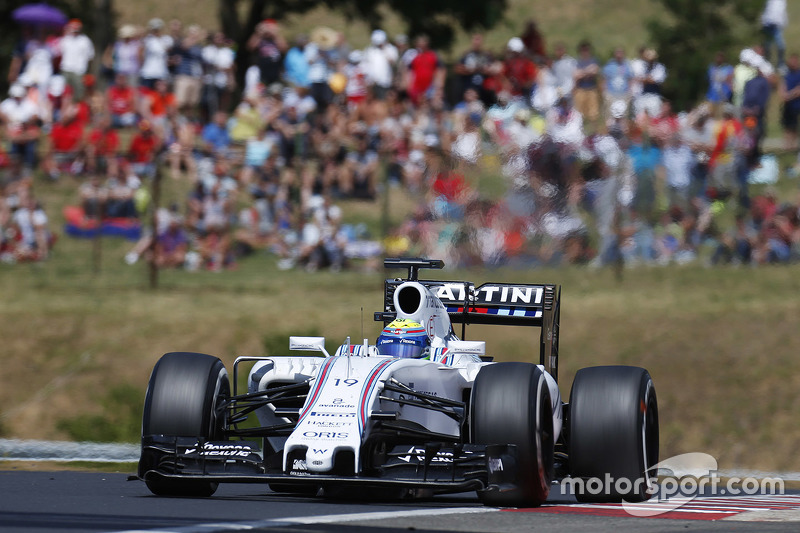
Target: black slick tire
511,404
613,432
183,399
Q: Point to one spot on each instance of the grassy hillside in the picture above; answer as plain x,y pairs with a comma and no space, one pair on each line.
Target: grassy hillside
607,23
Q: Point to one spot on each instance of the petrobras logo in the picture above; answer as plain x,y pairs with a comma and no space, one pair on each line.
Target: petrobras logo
495,465
328,414
433,303
210,449
419,455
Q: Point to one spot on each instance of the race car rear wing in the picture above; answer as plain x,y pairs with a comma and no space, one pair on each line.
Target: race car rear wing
506,304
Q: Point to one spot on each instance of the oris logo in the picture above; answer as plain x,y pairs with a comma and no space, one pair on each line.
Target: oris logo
326,435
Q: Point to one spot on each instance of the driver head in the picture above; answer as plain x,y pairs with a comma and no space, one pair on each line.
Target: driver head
404,338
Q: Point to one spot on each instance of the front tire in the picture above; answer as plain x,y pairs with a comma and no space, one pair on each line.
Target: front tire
511,405
613,431
184,398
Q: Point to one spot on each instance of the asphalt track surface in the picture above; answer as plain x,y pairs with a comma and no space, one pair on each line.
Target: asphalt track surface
34,502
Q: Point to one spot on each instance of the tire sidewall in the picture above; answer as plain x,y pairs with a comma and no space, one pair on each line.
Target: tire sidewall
609,435
511,404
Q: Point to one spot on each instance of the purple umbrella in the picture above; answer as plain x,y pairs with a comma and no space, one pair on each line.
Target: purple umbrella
42,14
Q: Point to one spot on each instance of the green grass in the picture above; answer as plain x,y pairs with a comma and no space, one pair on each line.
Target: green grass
606,23
721,344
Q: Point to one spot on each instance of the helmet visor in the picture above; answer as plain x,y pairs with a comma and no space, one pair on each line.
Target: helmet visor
403,351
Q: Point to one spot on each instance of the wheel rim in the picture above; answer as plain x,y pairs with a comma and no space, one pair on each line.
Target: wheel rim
219,411
649,435
544,437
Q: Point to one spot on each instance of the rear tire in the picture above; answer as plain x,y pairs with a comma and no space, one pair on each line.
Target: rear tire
613,430
184,398
511,405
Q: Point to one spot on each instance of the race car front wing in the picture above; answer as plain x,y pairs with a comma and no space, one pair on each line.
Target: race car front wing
435,467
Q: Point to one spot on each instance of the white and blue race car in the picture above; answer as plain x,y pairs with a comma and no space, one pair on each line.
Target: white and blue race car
419,412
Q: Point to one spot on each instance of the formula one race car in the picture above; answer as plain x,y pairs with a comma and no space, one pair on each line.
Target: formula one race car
419,412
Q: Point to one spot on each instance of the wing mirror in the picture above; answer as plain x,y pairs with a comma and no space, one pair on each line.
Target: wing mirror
308,344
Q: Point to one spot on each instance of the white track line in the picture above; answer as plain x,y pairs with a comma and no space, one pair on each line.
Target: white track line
310,520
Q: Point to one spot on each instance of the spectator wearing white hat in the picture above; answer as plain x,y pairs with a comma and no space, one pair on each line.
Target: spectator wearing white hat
123,56
155,49
356,87
755,97
743,72
519,72
378,63
20,116
77,53
652,79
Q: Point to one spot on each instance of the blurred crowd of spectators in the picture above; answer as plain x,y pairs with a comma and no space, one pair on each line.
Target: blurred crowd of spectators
596,166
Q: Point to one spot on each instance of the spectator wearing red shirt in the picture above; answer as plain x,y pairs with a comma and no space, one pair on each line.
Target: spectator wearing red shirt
158,104
425,72
533,40
66,144
103,147
143,149
518,70
121,99
450,194
665,125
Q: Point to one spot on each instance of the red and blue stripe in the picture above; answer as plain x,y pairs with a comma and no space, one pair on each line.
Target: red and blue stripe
502,311
322,376
366,392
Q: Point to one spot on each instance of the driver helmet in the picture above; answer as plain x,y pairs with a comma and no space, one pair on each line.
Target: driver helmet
405,339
